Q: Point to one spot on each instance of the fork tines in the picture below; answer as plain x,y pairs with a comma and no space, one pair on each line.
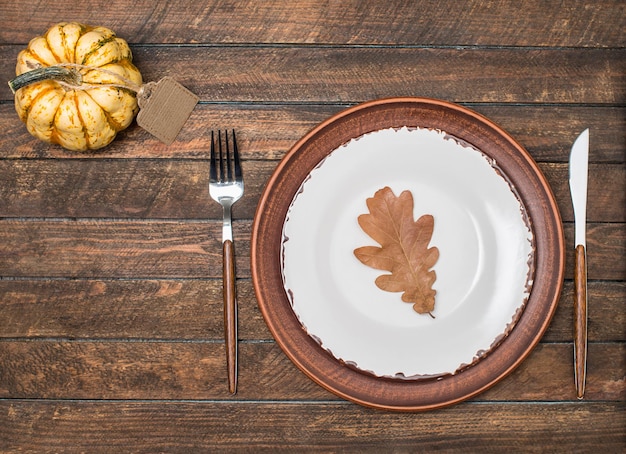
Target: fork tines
223,161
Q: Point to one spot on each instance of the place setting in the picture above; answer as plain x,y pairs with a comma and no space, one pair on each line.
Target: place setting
407,254
313,226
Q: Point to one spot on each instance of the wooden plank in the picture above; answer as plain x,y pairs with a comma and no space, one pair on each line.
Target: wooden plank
196,370
125,309
550,139
605,242
172,249
118,249
443,22
168,189
302,427
131,189
551,367
110,301
607,318
268,131
606,193
349,75
192,309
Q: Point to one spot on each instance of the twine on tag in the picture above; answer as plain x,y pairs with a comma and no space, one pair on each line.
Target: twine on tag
164,106
144,93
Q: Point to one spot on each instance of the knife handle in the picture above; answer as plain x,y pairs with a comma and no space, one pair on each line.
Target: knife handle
580,320
230,313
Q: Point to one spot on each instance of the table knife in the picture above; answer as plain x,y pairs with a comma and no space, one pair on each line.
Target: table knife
578,163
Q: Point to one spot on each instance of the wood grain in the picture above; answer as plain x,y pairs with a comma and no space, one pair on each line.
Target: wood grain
580,319
161,189
350,75
230,313
111,335
606,191
182,309
129,189
607,322
434,23
118,248
52,369
176,249
191,309
266,132
275,427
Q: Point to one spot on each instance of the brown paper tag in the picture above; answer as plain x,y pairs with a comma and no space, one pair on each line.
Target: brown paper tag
164,107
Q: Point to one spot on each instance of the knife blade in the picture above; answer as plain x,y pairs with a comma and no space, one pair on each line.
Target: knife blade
578,174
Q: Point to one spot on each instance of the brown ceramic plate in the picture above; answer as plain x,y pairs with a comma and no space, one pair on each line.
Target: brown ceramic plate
384,392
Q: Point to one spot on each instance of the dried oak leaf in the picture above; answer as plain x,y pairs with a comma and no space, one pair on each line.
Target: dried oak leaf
404,248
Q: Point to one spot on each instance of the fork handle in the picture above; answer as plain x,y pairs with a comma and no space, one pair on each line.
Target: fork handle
230,313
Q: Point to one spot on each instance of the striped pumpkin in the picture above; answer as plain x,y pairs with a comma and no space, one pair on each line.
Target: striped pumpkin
76,86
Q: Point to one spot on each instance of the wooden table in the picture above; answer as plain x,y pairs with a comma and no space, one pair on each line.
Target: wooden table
111,333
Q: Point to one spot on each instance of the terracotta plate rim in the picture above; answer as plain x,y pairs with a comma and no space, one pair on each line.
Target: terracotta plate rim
533,190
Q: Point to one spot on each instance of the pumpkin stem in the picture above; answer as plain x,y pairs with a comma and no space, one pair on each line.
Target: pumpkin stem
66,75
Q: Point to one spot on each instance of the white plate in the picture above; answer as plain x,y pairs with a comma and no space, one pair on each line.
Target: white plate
484,271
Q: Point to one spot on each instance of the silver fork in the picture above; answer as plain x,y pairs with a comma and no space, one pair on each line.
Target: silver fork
226,187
